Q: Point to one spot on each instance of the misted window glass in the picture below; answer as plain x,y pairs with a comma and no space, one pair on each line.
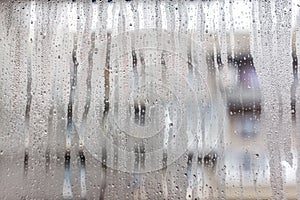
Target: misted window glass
130,99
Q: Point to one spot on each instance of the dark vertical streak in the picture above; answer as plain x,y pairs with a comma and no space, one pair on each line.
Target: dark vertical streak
88,80
143,155
82,159
73,83
105,113
82,174
27,115
164,162
139,118
47,158
139,113
143,66
164,70
189,162
165,150
143,111
164,79
136,112
142,101
294,86
51,110
84,117
137,158
18,66
106,77
50,128
189,55
142,168
26,155
135,103
293,109
67,193
50,131
136,182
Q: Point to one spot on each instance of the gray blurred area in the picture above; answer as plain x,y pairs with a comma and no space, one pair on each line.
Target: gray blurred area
149,99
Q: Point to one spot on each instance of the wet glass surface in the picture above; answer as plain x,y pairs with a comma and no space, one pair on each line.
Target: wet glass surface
149,99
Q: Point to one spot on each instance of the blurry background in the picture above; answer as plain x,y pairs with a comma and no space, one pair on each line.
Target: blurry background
149,99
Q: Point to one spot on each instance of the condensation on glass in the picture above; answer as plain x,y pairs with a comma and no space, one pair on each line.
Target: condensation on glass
149,99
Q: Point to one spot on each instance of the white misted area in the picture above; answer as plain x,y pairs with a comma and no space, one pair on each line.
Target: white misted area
149,99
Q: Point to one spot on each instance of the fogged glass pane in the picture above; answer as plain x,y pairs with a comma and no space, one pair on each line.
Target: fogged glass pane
149,99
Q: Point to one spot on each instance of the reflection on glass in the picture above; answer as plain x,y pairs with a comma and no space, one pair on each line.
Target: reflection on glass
149,99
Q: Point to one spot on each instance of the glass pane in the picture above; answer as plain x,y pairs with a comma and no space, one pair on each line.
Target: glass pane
149,99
